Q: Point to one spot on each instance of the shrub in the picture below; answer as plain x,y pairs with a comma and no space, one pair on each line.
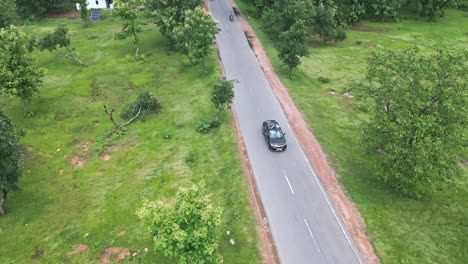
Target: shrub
147,102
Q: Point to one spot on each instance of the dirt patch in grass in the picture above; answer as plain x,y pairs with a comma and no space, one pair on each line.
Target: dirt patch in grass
368,29
114,254
37,253
105,156
77,162
64,14
464,162
115,30
31,149
80,248
83,151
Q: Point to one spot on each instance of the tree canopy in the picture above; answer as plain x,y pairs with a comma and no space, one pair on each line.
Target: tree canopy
418,108
84,12
19,75
10,159
133,22
293,44
285,13
8,15
59,39
197,35
187,228
170,14
222,95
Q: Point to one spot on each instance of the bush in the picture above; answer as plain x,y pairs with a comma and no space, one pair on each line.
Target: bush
323,79
147,102
205,126
340,35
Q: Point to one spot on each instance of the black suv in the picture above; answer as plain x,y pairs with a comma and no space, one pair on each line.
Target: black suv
274,135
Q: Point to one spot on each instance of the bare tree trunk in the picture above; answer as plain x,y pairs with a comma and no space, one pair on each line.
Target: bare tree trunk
136,52
25,109
111,116
218,113
2,203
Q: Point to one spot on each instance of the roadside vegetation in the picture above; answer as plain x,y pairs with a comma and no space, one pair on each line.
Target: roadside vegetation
84,177
429,229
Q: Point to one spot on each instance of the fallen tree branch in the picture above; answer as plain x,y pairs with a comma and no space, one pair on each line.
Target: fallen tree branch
131,119
71,55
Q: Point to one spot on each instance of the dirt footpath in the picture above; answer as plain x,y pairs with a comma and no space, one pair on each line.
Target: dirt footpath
346,208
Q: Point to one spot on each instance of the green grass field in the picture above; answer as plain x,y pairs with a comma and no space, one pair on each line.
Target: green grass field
60,205
432,230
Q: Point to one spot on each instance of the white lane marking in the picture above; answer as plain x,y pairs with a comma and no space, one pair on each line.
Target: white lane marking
312,235
290,187
331,207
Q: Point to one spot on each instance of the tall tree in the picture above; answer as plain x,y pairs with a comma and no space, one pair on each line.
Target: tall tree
434,8
10,159
384,10
293,44
8,15
185,229
222,95
39,8
19,75
196,36
284,13
59,39
84,12
133,22
418,116
170,14
326,25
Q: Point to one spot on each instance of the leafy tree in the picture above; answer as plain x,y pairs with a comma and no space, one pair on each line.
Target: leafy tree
434,8
285,13
39,8
170,14
260,5
293,45
186,228
133,24
222,95
385,10
10,159
418,109
351,11
326,25
19,76
84,12
197,35
59,39
8,15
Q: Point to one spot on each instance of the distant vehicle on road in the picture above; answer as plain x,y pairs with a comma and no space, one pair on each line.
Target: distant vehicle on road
274,135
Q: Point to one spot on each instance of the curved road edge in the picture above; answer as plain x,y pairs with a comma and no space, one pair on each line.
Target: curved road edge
347,209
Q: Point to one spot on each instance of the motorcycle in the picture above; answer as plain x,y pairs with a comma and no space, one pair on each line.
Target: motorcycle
231,17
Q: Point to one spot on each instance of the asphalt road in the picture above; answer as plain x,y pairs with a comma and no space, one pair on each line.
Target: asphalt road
304,223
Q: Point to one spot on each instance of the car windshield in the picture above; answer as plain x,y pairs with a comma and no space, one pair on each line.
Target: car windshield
276,134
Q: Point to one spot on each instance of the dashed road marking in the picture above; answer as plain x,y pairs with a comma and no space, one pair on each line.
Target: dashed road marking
290,187
312,235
